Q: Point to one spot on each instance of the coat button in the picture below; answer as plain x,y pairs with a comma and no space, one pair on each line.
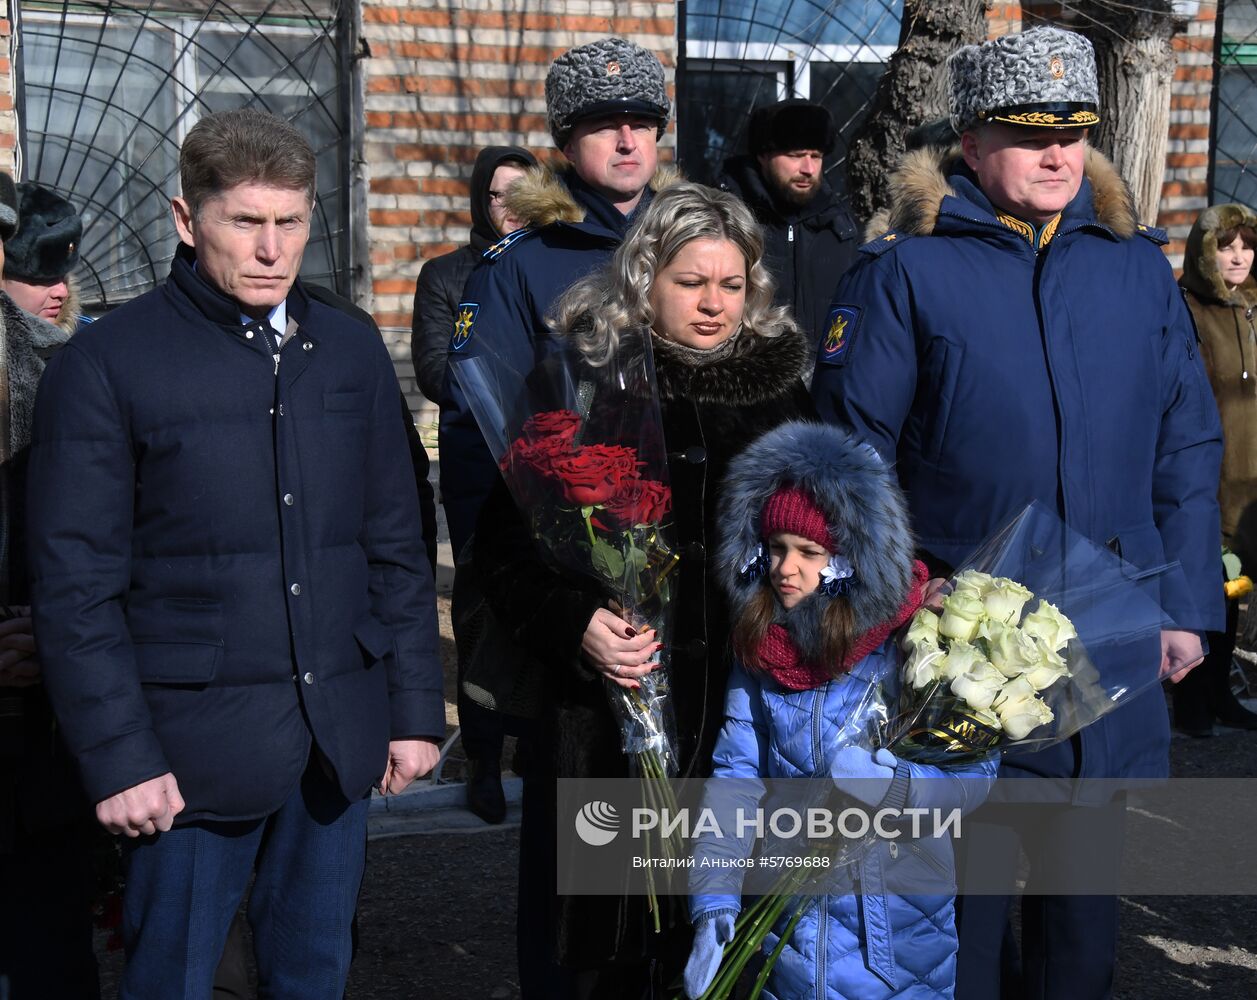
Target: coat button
308,677
696,649
307,345
248,334
893,847
696,455
695,551
288,499
296,590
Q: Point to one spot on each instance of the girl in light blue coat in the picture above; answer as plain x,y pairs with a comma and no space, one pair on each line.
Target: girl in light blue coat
817,555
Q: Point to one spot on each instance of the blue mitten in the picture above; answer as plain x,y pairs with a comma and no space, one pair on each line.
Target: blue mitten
714,931
865,776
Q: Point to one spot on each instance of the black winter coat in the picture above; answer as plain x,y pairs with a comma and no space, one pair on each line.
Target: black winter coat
807,249
226,557
439,287
710,414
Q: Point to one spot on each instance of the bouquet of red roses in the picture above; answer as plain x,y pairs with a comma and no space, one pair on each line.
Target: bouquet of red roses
580,446
596,507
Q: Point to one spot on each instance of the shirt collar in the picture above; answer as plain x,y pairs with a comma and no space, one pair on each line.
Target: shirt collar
277,317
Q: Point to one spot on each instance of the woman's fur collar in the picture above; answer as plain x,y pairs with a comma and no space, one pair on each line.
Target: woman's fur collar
919,185
761,368
863,506
540,197
28,343
71,308
1200,261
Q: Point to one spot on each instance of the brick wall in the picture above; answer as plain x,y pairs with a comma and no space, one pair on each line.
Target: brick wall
8,118
1185,189
443,79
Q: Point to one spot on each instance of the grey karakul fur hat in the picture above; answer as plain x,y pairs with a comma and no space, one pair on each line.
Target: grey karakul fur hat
611,75
863,506
1041,78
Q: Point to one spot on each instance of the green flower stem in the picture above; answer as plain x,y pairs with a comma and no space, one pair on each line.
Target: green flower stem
762,979
652,900
589,528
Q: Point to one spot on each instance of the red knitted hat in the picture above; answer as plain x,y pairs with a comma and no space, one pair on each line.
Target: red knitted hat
791,510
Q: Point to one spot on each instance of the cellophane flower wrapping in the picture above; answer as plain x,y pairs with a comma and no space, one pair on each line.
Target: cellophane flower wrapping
1041,633
581,449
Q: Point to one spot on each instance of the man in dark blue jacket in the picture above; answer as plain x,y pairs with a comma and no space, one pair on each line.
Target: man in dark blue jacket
1017,335
607,107
233,608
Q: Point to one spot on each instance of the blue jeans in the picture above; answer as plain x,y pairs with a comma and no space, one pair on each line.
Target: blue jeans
184,886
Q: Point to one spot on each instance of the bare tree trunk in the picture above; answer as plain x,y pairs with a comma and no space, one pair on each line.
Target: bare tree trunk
1135,65
913,90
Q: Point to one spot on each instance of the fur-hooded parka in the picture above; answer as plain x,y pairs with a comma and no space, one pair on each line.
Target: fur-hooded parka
863,506
542,197
1227,328
919,185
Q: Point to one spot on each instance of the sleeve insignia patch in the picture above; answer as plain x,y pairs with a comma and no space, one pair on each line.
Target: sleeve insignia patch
464,320
840,327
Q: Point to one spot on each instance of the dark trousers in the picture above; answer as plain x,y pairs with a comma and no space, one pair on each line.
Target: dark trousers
1068,942
540,976
1205,693
184,886
46,888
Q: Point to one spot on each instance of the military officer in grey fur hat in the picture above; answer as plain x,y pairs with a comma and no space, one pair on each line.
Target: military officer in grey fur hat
607,107
1017,334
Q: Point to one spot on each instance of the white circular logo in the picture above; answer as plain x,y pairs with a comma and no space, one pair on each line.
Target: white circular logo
597,823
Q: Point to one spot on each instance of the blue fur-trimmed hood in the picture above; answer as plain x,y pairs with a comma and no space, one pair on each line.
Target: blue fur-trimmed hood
862,503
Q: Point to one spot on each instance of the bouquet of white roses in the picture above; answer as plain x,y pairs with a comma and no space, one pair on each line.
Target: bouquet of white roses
981,670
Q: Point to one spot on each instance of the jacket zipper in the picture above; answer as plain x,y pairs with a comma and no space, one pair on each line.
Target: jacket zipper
818,767
790,233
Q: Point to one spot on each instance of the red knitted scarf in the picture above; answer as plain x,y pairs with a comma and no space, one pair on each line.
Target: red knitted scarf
783,662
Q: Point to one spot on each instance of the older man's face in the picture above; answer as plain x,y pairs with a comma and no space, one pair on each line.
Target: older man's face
1032,173
249,241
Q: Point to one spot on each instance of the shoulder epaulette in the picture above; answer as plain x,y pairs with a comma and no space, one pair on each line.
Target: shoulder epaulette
887,241
505,243
1158,236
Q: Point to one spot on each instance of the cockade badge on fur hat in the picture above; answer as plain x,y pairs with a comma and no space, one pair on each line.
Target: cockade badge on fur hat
609,76
1042,78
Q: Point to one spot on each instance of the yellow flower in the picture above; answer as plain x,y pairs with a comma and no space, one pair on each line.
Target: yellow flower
1020,710
1005,599
978,686
922,666
962,616
971,583
1012,651
1047,623
923,628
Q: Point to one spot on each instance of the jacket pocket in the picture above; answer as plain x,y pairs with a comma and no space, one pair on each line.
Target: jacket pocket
941,370
188,663
374,639
354,402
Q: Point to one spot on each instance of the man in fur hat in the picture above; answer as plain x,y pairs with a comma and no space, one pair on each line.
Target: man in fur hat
809,235
39,257
45,819
1017,334
607,108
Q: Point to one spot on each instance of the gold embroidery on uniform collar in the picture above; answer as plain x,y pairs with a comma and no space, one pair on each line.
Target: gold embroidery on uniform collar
1026,231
